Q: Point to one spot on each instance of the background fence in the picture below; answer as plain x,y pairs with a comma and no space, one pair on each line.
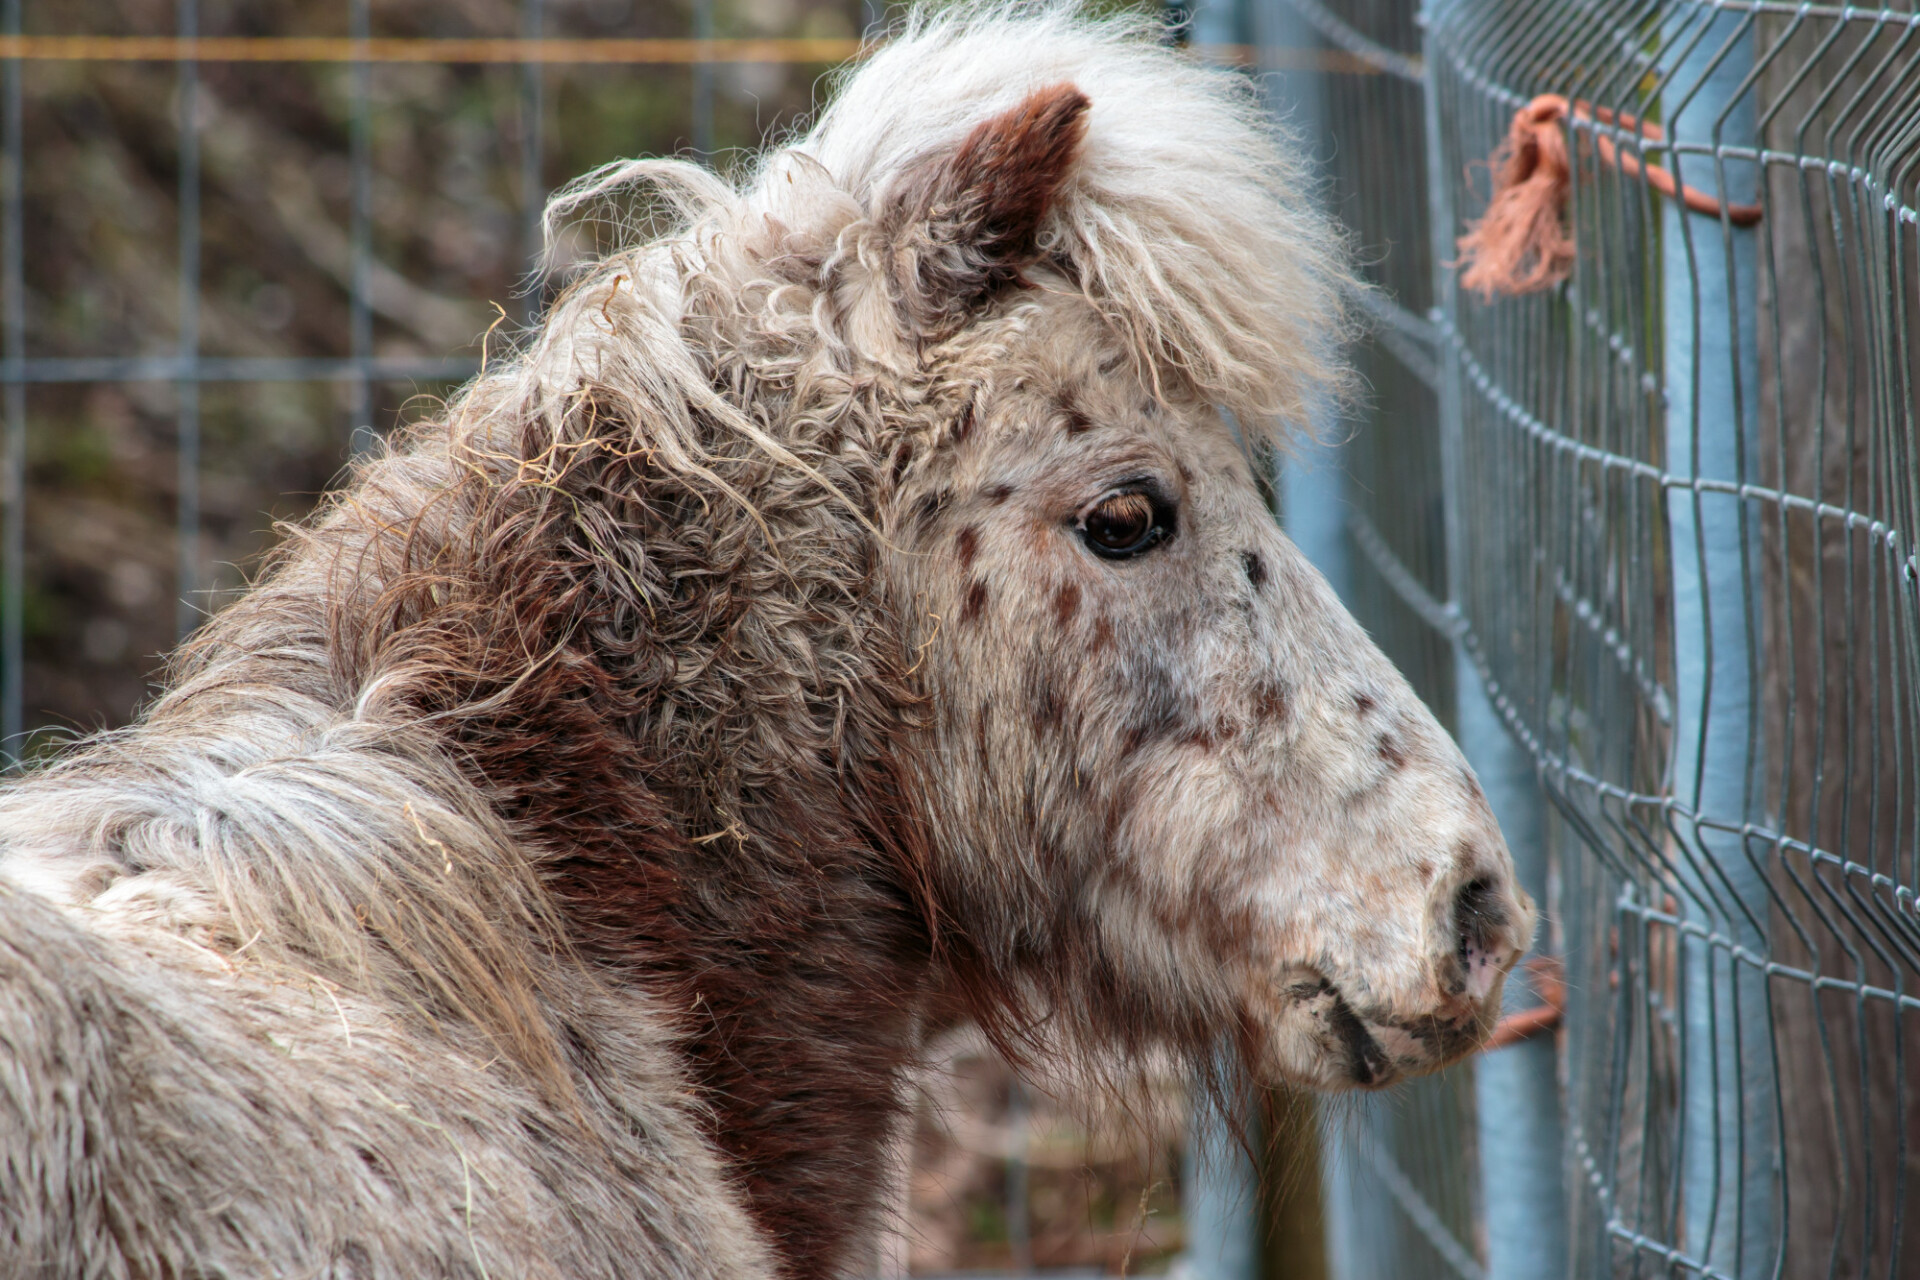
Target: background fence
237,237
1645,540
1677,495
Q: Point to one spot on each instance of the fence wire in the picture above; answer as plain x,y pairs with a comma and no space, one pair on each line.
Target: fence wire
1695,489
1687,486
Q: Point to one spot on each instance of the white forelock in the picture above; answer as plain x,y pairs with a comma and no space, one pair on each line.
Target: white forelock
1190,218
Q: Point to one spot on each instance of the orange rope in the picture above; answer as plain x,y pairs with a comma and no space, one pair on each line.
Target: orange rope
1521,244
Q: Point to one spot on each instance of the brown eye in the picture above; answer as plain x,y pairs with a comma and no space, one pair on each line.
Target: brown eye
1125,524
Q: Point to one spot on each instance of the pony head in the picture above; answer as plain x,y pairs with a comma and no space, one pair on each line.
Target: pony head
988,360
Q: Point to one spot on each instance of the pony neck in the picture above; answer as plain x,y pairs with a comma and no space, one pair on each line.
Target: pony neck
742,852
790,946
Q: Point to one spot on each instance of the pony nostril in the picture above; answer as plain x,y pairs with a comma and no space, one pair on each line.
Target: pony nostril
1479,927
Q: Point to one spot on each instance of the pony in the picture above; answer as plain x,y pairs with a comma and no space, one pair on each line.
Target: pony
854,602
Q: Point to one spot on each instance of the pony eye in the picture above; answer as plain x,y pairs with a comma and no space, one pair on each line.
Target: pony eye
1125,524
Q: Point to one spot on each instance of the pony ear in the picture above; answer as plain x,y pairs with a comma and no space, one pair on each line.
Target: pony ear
960,224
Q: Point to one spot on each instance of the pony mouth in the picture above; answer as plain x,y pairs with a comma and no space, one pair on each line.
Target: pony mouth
1366,1061
1372,1053
1351,1046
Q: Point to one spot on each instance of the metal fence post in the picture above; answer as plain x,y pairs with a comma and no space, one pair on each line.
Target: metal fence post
1220,1201
1709,310
1296,1169
1019,1192
533,191
1517,1091
1313,509
13,345
361,436
703,84
187,610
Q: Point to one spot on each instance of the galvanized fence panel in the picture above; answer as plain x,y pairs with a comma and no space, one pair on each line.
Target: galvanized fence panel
1687,501
1664,514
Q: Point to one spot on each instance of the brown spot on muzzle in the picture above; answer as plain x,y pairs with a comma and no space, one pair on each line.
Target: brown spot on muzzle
1391,752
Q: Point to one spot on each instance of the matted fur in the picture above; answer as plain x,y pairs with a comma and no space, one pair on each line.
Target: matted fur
547,868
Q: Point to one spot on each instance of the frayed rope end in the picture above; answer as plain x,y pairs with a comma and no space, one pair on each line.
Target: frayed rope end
1521,244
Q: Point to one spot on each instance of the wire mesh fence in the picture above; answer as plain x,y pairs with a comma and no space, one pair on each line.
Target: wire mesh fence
237,240
1704,614
1683,488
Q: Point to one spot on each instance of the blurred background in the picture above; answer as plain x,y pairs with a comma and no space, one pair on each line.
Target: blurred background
373,216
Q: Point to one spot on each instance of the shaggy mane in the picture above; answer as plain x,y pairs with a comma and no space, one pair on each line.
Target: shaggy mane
1188,221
